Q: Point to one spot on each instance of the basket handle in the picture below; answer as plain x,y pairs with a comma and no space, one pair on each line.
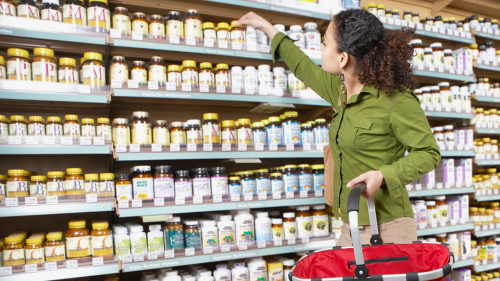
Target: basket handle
361,270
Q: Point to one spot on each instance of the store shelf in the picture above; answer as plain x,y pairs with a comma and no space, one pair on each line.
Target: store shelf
487,35
220,97
487,162
490,232
488,131
463,263
215,155
435,74
488,67
438,192
444,114
431,34
487,267
29,150
62,207
253,251
494,197
34,96
445,229
63,273
457,153
160,212
487,99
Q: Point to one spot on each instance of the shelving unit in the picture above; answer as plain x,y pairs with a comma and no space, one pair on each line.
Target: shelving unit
488,198
55,150
486,267
438,192
445,229
63,207
463,263
488,99
63,273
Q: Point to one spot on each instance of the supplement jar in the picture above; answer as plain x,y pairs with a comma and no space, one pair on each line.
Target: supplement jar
55,183
102,240
44,65
107,185
38,187
54,247
193,132
156,27
139,72
123,187
164,182
121,131
71,126
103,129
157,71
228,131
93,71
34,251
192,25
140,24
174,75
87,127
189,73
121,20
77,240
175,26
141,128
161,134
177,133
211,128
67,71
99,15
74,12
142,181
36,126
118,69
92,184
18,65
17,183
74,183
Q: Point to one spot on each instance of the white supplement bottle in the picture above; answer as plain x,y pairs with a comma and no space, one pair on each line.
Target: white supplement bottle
289,227
297,34
155,240
206,276
245,231
227,231
222,273
138,240
257,267
240,272
263,227
172,276
312,36
210,236
279,78
122,240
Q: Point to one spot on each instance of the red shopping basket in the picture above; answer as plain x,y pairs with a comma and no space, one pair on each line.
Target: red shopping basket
415,261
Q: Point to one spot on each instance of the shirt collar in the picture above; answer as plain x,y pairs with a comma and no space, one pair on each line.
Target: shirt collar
368,88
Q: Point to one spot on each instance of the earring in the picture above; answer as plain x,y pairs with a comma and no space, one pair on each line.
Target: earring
342,79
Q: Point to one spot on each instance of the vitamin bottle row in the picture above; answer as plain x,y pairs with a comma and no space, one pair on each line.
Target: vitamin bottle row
72,127
460,243
77,242
444,98
71,185
483,87
279,130
486,181
441,210
45,67
433,57
485,146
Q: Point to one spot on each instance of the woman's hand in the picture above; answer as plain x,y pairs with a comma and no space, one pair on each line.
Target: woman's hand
258,22
373,180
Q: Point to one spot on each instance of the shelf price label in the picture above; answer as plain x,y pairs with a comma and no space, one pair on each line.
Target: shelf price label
127,258
306,146
152,256
276,195
30,268
207,250
261,244
226,147
225,248
191,147
91,198
303,193
273,147
11,202
235,197
115,33
175,147
217,198
290,147
318,193
71,263
190,41
248,197
121,148
208,147
152,85
133,84
180,200
116,84
155,147
291,241
243,247
85,141
204,88
51,200
98,140
189,252
49,140
135,147
138,257
97,261
242,147
222,44
123,204
169,254
50,266
31,140
186,87
170,86
278,243
137,203
259,147
290,194
137,35
198,199
174,39
158,202
305,240
265,48
208,43
30,201
84,89
67,140
6,270
262,196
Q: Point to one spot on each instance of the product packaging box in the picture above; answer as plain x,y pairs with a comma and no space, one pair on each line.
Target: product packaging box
466,164
463,60
463,206
446,168
464,239
428,181
460,138
453,209
469,139
459,177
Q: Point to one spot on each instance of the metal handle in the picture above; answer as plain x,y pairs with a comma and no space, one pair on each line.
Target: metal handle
353,210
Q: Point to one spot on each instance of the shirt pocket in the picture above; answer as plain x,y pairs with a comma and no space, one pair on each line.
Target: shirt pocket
358,132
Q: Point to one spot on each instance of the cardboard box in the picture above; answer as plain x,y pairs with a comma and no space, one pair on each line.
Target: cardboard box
446,168
463,59
464,239
466,164
463,205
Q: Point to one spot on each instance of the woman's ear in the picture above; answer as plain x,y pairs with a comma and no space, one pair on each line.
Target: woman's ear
344,59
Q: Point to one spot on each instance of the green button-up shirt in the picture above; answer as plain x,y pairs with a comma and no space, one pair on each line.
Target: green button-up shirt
371,131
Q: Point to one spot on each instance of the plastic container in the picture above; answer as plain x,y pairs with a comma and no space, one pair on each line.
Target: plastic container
18,64
192,235
263,226
219,181
239,272
121,20
280,78
297,34
312,36
143,183
174,234
222,273
183,184
201,183
156,240
320,221
257,269
77,240
93,70
248,182
245,231
138,240
210,235
304,222
421,213
289,226
54,247
121,240
227,231
101,240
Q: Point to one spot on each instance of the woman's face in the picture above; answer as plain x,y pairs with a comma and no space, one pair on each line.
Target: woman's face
330,58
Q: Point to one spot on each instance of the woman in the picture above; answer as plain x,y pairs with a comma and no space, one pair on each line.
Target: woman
367,78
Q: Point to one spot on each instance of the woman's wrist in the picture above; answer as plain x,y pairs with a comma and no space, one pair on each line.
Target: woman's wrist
270,31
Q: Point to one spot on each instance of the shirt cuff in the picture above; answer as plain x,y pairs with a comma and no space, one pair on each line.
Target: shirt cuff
275,42
392,181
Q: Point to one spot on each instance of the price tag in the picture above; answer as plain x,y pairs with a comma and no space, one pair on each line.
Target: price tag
225,248
209,43
171,86
236,90
11,202
484,262
259,147
138,257
97,261
305,239
319,147
180,200
440,69
67,140
186,87
468,35
155,147
30,201
235,197
442,223
135,147
51,200
222,44
489,192
217,198
84,89
248,197
291,241
116,84
290,146
306,146
459,72
152,256
121,148
133,84
137,203
435,29
383,19
31,140
262,91
303,193
318,193
411,25
71,263
418,186
221,89
198,199
252,47
50,266
442,30
169,254
191,147
85,141
420,26
453,222
30,268
152,85
249,91
236,45
243,247
485,227
261,244
242,147
262,196
208,147
226,147
265,48
189,252
174,39
431,68
434,224
91,198
390,21
98,140
428,28
115,33
49,140
123,204
137,35
126,258
404,23
421,226
397,22
456,33
204,88
492,226
208,250
278,243
290,194
7,270
175,147
439,185
273,147
276,195
158,202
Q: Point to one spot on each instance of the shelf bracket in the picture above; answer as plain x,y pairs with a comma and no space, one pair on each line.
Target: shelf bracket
439,5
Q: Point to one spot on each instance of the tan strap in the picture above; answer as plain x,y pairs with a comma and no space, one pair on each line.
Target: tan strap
329,172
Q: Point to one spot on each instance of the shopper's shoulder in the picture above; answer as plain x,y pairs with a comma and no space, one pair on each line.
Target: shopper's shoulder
401,98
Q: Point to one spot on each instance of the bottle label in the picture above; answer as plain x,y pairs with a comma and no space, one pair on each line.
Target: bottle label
104,131
219,185
67,75
95,74
51,15
192,28
36,130
223,34
156,73
275,271
313,41
175,28
290,229
193,240
307,137
449,138
178,137
38,189
122,23
244,135
19,69
438,58
164,187
183,189
121,136
139,245
175,239
206,78
321,135
292,132
194,136
209,34
305,181
291,182
88,130
222,79
141,26
234,188
175,77
119,72
18,129
201,186
76,185
161,136
141,133
242,277
259,137
91,187
277,185
319,181
320,225
71,129
258,274
2,190
245,231
210,237
122,245
99,17
157,30
263,185
74,14
4,129
190,77
13,255
140,75
238,35
16,188
124,192
53,187
102,245
211,130
143,188
27,11
155,244
248,186
107,188
277,233
77,246
7,9
227,235
55,252
443,213
305,226
228,135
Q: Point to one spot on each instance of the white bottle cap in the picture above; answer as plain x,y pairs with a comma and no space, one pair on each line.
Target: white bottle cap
430,203
193,122
206,273
303,208
279,70
318,207
288,262
136,228
262,214
452,236
264,67
191,223
431,239
289,215
295,28
172,273
448,127
277,221
221,265
280,27
155,227
236,68
242,264
249,68
226,218
209,223
310,25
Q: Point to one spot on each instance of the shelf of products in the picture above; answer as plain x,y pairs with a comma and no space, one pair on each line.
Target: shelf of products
488,35
437,192
447,76
488,67
437,35
34,96
487,99
488,198
463,263
64,273
485,267
443,114
481,232
488,131
62,207
252,251
158,213
57,150
487,162
445,229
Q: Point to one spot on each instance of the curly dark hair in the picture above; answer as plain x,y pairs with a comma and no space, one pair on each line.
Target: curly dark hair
383,62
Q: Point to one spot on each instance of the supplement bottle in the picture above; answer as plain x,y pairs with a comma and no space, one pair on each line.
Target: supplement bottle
192,25
245,231
209,31
74,183
87,127
234,185
177,133
211,129
55,183
51,11
279,78
92,184
121,20
442,208
287,267
140,24
4,127
121,132
118,69
193,132
320,129
307,133
77,240
239,272
174,25
141,128
13,251
174,75
74,12
201,183
183,184
222,273
432,213
164,183
71,126
259,133
291,125
228,131
93,70
18,65
38,187
161,135
265,78
237,78
438,54
244,132
143,183
320,221
189,73
102,240
210,236
304,222
99,15
227,231
275,131
107,185
44,65
277,229
291,178
418,53
206,76
263,182
122,240
263,225
305,178
3,179
123,187
54,247
289,226
67,71
192,235
248,182
219,181
237,33
222,76
223,34
138,240
250,80
257,268
277,184
297,34
36,126
139,72
156,27
103,129
156,72
28,9
155,240
8,9
312,36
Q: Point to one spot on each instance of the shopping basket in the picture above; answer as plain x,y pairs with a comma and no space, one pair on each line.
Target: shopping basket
417,261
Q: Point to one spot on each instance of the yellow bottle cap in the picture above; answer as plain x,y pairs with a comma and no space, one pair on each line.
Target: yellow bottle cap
189,63
103,1
246,173
2,60
372,5
54,235
318,167
55,174
290,167
100,225
243,121
88,121
257,125
36,119
17,118
210,116
13,239
395,10
222,66
43,52
262,171
303,166
233,24
473,46
67,61
35,240
16,172
174,67
14,52
208,25
71,117
491,170
320,120
92,56
275,174
38,178
3,177
73,171
380,6
102,120
204,65
55,119
107,176
76,224
291,114
222,25
234,178
273,119
82,60
91,177
228,123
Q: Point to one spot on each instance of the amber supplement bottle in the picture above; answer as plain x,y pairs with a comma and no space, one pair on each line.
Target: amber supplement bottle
99,15
18,65
102,240
156,27
211,128
74,12
77,240
141,128
67,71
17,183
74,183
121,20
192,25
93,70
140,24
